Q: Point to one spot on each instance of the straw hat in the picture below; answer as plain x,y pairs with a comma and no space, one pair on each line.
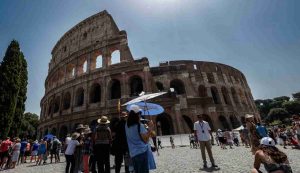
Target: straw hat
103,120
80,126
75,135
249,116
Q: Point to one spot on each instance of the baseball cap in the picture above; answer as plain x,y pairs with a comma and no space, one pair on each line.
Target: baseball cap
135,108
267,141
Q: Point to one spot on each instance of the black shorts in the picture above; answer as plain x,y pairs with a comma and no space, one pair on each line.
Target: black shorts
4,154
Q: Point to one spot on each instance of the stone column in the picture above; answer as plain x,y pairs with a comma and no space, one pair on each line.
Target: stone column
89,60
146,80
178,121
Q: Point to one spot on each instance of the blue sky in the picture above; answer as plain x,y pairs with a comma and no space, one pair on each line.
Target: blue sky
260,38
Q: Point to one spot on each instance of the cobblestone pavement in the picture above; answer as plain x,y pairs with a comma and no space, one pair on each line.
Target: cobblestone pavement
183,159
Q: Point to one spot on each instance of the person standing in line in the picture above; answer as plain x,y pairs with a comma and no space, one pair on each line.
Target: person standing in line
87,149
69,153
42,151
102,142
22,151
34,150
4,151
254,138
53,149
120,145
16,153
203,135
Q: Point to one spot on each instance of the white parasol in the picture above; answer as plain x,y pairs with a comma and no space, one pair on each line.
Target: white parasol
144,98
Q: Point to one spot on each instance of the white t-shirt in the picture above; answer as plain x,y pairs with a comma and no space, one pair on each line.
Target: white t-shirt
202,129
71,147
68,139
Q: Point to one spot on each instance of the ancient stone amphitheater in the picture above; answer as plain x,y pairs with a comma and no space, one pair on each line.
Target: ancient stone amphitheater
92,68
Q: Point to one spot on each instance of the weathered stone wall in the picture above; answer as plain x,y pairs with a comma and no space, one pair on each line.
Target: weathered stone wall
83,84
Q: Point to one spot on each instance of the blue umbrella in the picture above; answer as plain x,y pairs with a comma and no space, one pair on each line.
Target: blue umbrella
49,136
148,108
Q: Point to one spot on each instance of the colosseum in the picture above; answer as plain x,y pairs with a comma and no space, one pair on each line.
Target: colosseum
92,68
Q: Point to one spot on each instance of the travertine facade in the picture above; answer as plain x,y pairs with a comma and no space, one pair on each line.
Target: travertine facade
84,82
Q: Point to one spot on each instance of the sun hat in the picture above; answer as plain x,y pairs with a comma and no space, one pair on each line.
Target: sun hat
249,116
103,120
80,126
75,135
135,108
267,141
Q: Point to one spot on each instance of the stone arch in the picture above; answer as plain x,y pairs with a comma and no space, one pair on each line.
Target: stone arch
226,95
166,124
63,132
202,91
98,62
53,131
208,119
66,101
234,121
178,86
159,86
56,104
234,96
224,122
79,97
95,93
189,123
115,89
115,57
215,95
136,85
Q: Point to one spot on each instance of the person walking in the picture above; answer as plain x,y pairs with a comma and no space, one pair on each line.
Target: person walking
159,143
102,145
254,138
120,145
172,142
202,132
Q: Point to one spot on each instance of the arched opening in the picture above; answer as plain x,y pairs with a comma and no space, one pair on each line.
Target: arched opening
234,96
79,97
115,89
99,61
189,123
224,122
208,119
50,108
63,132
115,57
202,91
164,124
93,125
226,96
178,86
53,131
95,93
56,104
215,95
234,121
67,101
159,86
84,67
136,86
210,78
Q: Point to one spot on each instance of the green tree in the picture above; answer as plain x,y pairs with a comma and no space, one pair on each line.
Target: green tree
9,86
293,107
278,114
29,124
282,98
20,108
296,96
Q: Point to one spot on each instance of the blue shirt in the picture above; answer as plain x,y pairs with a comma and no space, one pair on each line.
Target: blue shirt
23,146
135,144
35,146
262,131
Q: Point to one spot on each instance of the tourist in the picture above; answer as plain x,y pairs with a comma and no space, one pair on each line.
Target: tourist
16,153
137,139
283,135
203,135
34,150
254,138
4,151
296,128
87,149
120,145
78,155
42,151
102,142
53,149
217,139
172,142
221,138
22,151
27,151
159,143
246,137
229,139
274,160
261,130
69,153
235,139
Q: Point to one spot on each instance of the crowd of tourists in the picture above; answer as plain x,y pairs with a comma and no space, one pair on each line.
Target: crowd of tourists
16,151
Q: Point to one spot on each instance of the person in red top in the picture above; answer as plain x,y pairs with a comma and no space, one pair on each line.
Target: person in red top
4,151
